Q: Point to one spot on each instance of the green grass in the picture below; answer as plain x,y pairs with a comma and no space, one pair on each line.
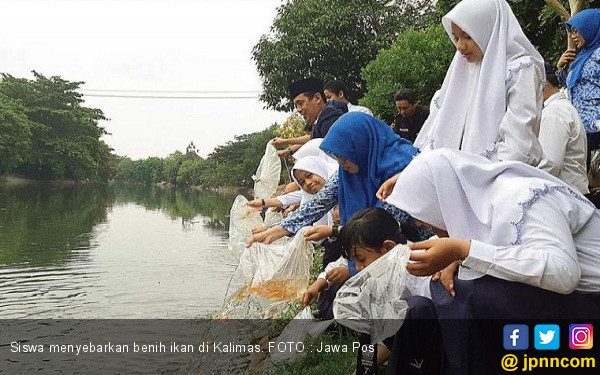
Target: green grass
314,363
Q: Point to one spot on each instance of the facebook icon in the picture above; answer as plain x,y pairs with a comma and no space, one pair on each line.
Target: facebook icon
516,337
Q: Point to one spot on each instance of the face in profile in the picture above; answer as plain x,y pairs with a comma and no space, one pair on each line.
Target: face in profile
363,256
348,166
309,182
466,45
307,107
578,39
330,95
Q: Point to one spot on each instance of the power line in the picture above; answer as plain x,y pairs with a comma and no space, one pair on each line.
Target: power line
169,97
176,91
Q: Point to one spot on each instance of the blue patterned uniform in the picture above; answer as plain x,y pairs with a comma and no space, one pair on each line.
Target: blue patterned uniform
585,95
325,200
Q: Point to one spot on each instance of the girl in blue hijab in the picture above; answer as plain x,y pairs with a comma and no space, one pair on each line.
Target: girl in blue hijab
369,152
582,77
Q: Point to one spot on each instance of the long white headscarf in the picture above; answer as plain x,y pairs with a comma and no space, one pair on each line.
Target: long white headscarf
473,198
324,167
467,111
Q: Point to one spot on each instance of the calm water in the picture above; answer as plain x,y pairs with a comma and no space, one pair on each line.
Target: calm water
83,251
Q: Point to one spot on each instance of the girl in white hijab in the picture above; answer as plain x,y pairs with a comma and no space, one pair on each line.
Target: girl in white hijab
490,102
528,247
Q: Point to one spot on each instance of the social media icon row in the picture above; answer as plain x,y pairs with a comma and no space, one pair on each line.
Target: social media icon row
547,336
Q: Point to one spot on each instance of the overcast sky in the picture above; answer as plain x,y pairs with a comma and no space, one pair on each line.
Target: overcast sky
150,45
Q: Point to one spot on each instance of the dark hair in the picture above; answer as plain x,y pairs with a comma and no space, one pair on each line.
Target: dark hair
405,94
553,80
336,87
370,228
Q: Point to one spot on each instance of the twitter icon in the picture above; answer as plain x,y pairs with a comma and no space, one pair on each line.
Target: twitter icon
546,336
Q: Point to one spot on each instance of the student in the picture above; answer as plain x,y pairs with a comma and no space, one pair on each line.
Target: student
580,71
490,102
411,115
368,152
367,236
311,103
524,243
562,136
337,90
310,173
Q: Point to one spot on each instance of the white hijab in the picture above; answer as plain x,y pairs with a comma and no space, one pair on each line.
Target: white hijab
324,167
310,148
472,198
467,111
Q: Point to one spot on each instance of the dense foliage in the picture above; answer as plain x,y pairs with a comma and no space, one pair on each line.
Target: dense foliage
330,39
46,132
417,60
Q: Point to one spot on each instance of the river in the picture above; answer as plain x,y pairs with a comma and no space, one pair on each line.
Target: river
83,251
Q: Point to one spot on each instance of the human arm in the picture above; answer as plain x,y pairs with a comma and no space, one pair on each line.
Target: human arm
336,271
267,235
294,197
314,209
519,127
545,256
259,204
565,59
290,141
554,137
312,293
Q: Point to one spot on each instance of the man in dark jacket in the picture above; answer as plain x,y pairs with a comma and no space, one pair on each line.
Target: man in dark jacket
310,102
411,115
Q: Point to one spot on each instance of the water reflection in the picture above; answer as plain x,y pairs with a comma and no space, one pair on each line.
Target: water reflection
119,251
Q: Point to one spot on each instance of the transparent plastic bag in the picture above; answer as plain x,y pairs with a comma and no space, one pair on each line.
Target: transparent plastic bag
242,219
276,272
272,217
266,178
298,330
374,300
594,170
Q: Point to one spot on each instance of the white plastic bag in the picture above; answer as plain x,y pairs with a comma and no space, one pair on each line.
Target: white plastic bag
268,173
374,300
275,272
242,219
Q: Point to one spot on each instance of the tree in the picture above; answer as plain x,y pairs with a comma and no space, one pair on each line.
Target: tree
65,135
15,135
417,60
541,21
329,39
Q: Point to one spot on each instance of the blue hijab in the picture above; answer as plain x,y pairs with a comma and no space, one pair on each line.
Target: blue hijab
377,151
587,23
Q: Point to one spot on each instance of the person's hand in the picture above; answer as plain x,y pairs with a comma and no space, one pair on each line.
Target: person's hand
312,293
566,58
386,188
338,275
318,232
446,277
256,204
268,236
438,254
279,142
290,208
292,186
283,153
260,228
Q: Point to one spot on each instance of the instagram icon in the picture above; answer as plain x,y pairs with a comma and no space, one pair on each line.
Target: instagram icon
581,336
